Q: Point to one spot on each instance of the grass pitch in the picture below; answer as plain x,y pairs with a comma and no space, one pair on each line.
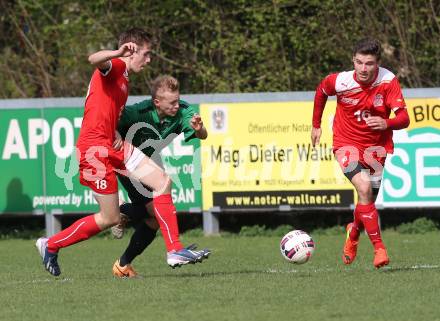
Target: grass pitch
245,279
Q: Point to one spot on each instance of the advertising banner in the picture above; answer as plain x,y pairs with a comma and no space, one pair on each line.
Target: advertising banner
412,173
259,155
40,170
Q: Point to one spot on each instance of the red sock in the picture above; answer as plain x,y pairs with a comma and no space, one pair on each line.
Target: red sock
370,219
166,216
357,225
80,230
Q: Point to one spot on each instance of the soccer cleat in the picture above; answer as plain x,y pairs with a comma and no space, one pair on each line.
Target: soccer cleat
380,258
126,271
186,255
203,254
118,230
182,257
350,247
50,260
41,245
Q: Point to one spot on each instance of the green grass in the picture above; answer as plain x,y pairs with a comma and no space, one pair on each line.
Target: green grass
245,279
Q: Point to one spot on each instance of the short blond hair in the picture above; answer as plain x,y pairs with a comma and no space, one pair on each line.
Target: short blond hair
164,82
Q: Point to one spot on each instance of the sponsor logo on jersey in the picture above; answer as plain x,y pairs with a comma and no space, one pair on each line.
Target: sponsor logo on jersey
378,101
350,101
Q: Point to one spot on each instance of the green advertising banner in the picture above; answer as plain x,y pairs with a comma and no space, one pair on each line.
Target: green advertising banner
22,170
412,174
40,170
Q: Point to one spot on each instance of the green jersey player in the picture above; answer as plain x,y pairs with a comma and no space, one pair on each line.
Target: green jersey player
150,126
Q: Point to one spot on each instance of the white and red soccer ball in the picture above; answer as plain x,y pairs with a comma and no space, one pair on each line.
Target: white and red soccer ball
297,247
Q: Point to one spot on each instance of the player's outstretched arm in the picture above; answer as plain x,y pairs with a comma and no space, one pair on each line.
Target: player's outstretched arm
101,59
318,109
325,88
197,124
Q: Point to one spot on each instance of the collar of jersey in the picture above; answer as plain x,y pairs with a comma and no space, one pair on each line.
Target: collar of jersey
157,119
155,115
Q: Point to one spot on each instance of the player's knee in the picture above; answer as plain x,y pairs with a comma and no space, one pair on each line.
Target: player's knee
114,220
109,219
364,192
163,184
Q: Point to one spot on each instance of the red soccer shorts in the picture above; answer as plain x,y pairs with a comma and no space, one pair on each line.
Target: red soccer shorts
97,166
353,160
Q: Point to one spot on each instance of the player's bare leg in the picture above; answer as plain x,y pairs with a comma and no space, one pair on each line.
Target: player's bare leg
108,214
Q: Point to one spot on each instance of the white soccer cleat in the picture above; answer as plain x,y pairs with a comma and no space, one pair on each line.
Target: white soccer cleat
41,245
187,255
50,260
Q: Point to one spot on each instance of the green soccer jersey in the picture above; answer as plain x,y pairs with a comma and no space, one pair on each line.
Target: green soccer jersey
140,125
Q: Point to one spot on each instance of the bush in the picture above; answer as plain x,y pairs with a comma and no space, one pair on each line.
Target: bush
282,230
419,226
196,232
335,230
21,233
255,230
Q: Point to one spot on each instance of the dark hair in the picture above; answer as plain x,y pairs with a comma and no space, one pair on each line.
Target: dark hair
166,82
368,46
136,35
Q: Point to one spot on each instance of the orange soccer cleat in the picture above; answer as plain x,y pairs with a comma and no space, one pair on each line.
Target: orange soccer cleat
123,271
380,258
350,247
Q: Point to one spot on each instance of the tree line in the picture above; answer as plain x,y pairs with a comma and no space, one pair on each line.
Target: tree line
212,46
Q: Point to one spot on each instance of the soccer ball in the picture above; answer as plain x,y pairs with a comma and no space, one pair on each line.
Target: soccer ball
297,247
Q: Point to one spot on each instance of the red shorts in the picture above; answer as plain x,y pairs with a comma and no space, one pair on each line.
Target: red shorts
353,159
97,166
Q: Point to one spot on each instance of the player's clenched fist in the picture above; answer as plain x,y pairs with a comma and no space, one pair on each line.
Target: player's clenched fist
127,49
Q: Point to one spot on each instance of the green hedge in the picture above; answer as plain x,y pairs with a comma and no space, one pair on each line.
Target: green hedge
214,46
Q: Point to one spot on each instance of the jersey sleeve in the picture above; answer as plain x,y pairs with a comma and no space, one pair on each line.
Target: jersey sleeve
325,88
394,98
187,114
117,68
400,121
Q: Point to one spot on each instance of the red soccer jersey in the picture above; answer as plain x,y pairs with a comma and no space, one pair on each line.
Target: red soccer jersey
355,103
105,101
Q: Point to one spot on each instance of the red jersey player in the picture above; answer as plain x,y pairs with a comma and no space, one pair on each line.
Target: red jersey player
362,135
99,158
